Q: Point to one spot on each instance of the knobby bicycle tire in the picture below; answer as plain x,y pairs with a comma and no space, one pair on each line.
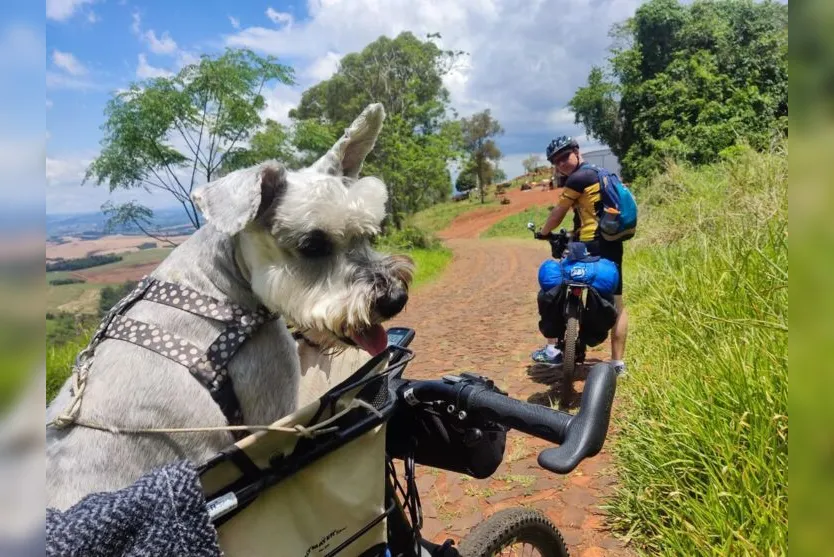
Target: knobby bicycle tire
511,526
569,358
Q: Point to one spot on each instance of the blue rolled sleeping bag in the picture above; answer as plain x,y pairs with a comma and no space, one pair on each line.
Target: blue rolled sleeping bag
599,273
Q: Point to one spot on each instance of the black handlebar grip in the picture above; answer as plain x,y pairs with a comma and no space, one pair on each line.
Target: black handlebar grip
586,431
533,419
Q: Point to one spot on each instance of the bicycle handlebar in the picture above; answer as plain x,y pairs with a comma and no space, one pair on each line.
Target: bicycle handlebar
579,436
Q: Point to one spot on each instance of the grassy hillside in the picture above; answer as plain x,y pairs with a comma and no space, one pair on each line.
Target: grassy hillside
437,217
703,442
515,226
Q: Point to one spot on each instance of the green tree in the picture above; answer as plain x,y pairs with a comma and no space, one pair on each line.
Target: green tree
418,139
498,175
467,180
478,133
688,82
531,163
171,133
274,141
110,296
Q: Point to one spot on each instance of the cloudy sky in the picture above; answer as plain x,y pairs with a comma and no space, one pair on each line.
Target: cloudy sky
527,57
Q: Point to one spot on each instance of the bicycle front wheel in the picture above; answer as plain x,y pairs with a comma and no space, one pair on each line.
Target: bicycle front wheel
569,361
514,532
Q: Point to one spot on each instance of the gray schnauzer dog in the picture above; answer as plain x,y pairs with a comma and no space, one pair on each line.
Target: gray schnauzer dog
279,248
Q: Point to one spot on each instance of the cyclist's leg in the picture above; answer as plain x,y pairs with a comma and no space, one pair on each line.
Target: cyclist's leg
614,252
620,331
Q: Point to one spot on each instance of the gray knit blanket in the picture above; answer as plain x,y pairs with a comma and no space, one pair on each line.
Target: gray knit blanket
162,513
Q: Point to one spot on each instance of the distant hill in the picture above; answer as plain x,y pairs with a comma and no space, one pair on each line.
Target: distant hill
91,225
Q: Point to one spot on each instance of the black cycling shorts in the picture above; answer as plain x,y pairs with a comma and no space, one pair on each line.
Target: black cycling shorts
613,251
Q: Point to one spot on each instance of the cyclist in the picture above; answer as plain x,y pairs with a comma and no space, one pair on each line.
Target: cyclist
581,193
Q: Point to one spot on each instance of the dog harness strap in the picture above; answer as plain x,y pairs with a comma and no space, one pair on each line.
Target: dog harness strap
121,306
209,367
156,339
186,299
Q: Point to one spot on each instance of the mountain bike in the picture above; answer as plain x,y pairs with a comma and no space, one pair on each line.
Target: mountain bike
572,298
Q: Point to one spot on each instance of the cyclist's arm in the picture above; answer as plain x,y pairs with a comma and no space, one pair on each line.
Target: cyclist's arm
566,201
555,218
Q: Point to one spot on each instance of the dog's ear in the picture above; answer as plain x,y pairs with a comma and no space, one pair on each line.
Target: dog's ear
238,198
346,156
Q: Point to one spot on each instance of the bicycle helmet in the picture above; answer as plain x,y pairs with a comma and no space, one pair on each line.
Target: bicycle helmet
559,145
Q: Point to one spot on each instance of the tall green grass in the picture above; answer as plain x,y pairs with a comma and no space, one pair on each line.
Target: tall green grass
429,263
59,361
702,448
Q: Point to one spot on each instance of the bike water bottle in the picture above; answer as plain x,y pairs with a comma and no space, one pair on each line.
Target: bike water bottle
610,220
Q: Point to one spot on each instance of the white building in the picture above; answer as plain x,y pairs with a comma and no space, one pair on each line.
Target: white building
605,158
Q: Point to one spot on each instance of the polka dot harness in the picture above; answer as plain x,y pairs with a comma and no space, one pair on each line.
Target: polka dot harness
209,366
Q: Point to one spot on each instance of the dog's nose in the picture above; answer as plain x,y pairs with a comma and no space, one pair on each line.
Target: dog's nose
391,303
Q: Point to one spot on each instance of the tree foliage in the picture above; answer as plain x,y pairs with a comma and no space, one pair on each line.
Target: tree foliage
467,179
689,81
478,133
172,133
531,163
418,139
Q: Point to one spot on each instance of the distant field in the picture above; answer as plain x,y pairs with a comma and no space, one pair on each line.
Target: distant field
83,298
77,248
74,298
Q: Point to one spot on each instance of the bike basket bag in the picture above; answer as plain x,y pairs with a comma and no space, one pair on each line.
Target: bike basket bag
618,221
598,315
471,446
599,273
317,486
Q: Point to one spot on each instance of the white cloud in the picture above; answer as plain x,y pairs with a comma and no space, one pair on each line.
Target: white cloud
526,57
160,45
136,25
235,22
57,80
69,63
185,58
279,18
145,71
62,10
163,44
93,17
66,171
324,67
561,117
280,99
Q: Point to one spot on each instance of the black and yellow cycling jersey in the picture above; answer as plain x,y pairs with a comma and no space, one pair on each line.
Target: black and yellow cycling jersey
582,194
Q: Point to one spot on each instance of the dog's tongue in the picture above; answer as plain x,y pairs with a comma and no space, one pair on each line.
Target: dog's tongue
373,340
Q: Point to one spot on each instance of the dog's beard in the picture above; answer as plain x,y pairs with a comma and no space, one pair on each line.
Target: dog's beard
327,312
329,300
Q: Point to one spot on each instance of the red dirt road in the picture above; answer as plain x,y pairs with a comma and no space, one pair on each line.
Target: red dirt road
481,316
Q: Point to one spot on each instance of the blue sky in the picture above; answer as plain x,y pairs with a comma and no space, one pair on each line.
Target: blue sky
524,64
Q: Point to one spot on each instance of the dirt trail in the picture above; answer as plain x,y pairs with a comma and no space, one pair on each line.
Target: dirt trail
470,224
480,315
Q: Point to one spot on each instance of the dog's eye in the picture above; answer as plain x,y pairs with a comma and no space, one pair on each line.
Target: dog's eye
315,244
